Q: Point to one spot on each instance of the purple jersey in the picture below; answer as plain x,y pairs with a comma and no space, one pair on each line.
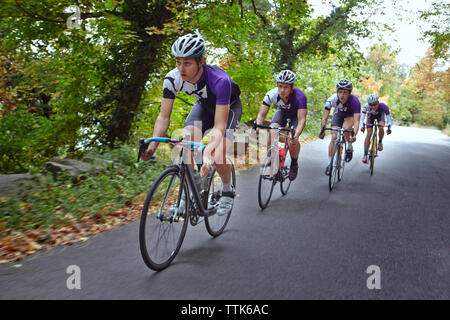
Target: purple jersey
296,101
213,88
350,107
382,108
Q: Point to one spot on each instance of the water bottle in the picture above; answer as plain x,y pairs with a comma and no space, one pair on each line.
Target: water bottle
282,153
199,181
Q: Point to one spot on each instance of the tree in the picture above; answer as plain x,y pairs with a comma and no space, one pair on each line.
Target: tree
439,33
124,37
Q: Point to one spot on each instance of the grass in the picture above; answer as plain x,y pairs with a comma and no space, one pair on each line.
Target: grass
58,203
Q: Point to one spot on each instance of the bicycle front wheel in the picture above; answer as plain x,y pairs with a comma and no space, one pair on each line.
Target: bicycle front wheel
334,167
164,219
341,152
373,150
215,224
285,182
266,181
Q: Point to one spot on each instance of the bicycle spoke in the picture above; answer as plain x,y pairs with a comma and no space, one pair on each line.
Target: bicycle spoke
161,235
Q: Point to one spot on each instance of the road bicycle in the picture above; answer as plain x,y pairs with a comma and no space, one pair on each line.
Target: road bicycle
337,156
373,151
178,195
276,165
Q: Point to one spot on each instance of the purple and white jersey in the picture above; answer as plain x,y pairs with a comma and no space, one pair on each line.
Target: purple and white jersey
213,88
382,108
350,107
296,101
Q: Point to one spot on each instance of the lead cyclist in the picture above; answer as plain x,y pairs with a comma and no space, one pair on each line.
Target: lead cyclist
218,108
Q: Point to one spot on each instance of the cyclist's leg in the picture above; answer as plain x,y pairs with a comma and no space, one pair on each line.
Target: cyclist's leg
223,167
294,144
278,120
220,154
197,123
368,136
336,122
348,125
294,150
381,132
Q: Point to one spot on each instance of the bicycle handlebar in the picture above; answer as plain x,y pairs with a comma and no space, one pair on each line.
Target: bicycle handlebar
144,143
289,129
339,129
376,125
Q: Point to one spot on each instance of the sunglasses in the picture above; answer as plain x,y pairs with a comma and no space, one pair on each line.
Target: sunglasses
373,104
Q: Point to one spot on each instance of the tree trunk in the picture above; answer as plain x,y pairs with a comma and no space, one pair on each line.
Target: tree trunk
141,63
287,56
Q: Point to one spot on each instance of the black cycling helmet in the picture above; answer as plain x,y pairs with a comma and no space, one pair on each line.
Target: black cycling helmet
344,84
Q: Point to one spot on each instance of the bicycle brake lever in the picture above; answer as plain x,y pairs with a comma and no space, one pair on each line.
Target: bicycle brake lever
142,147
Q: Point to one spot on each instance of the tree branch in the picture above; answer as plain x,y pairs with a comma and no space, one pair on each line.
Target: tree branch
37,16
324,27
83,16
263,19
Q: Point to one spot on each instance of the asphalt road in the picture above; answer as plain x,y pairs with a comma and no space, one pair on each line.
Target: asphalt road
309,244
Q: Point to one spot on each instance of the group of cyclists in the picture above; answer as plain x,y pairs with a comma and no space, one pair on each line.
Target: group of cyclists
219,109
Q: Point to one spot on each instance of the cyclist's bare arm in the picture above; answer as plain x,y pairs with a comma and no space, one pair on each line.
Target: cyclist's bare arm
325,116
301,116
356,119
161,126
263,111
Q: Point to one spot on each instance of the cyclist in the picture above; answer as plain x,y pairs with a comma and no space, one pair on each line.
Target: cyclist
374,110
218,108
291,103
347,109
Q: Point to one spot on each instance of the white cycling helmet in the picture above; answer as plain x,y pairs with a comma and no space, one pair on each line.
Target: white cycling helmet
344,84
286,76
191,45
372,98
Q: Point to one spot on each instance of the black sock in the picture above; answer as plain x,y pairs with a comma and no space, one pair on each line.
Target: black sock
294,161
380,141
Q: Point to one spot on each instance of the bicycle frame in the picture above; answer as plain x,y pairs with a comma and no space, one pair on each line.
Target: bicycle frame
339,143
289,129
375,126
185,168
373,153
340,135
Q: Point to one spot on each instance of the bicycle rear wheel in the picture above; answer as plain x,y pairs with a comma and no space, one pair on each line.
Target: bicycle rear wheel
334,167
285,182
162,226
266,181
215,224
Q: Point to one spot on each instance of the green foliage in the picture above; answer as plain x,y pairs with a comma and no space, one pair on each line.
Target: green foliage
26,142
439,33
55,203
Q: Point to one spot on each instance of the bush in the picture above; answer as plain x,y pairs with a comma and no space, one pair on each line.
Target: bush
24,141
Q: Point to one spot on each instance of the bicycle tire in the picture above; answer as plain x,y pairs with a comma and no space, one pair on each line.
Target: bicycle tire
216,224
153,231
285,182
373,150
263,199
334,167
342,153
